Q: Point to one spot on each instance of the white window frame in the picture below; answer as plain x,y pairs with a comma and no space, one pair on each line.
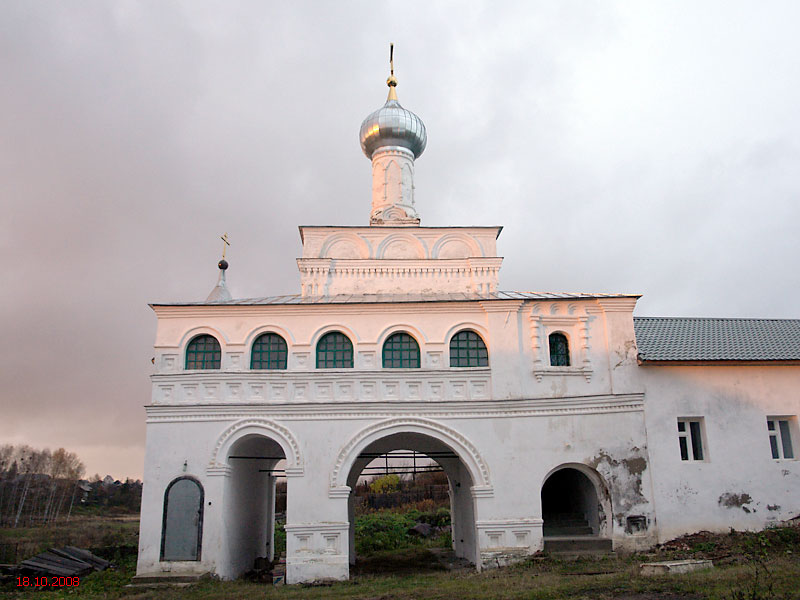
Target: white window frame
780,430
688,435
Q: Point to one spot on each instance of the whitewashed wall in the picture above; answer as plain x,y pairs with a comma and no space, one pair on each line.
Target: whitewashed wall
512,423
738,484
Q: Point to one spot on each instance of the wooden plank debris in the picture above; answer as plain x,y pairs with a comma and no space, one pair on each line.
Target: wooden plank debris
63,562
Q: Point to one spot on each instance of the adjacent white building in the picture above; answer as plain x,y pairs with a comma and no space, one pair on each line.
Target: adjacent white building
557,417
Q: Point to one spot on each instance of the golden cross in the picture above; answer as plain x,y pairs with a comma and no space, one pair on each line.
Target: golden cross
391,58
224,238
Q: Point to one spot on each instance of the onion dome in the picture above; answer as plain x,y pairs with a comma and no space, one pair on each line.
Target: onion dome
392,125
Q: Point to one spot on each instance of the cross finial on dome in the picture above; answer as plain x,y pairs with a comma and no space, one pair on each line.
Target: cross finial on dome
392,81
220,292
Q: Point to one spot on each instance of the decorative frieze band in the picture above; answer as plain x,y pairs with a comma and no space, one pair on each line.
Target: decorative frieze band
546,407
300,387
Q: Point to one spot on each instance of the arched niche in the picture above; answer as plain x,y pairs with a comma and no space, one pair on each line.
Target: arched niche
456,245
401,246
182,523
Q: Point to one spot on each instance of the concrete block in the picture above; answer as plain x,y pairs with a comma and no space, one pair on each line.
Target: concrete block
675,567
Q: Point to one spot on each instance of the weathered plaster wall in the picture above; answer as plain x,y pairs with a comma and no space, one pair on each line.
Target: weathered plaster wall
739,484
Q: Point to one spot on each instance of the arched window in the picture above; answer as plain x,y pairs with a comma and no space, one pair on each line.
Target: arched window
334,351
559,350
203,352
269,352
468,350
182,525
400,351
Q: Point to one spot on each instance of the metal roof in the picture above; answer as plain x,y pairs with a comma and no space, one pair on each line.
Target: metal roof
399,298
709,339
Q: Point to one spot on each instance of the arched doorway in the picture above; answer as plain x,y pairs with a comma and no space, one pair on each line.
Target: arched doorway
460,483
256,463
574,503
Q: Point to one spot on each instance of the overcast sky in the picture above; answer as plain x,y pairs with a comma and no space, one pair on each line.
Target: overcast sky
625,146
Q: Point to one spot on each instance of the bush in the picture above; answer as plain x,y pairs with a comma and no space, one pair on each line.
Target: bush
385,484
280,539
383,531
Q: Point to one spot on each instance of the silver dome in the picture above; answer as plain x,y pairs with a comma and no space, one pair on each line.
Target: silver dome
392,125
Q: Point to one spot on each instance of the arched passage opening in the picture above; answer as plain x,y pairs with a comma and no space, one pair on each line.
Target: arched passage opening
256,463
574,503
425,448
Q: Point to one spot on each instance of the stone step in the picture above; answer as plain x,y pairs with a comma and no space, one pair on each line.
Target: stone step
577,544
564,517
165,578
567,531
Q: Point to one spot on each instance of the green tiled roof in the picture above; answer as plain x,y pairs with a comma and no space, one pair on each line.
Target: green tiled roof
695,339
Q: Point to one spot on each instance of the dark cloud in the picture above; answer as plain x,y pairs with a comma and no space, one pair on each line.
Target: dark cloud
625,147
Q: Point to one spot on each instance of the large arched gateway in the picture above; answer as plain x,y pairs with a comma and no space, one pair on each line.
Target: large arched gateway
532,403
451,451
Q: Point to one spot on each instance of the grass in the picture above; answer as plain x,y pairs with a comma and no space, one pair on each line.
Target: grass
534,579
84,531
754,566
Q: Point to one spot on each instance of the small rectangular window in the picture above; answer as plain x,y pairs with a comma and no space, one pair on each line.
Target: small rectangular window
780,437
690,439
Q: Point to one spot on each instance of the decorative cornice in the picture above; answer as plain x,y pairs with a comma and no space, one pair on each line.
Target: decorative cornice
493,523
618,304
544,407
482,491
342,491
585,372
502,306
314,527
339,308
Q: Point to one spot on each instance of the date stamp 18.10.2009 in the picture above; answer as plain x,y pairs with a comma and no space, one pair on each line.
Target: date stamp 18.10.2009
48,581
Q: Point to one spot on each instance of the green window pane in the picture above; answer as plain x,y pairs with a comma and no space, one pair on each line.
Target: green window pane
468,350
334,351
269,352
401,351
203,352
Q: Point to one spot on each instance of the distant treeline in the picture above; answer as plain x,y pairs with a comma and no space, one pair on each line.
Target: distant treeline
40,487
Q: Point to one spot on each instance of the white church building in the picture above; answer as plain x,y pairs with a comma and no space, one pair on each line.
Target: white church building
559,419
